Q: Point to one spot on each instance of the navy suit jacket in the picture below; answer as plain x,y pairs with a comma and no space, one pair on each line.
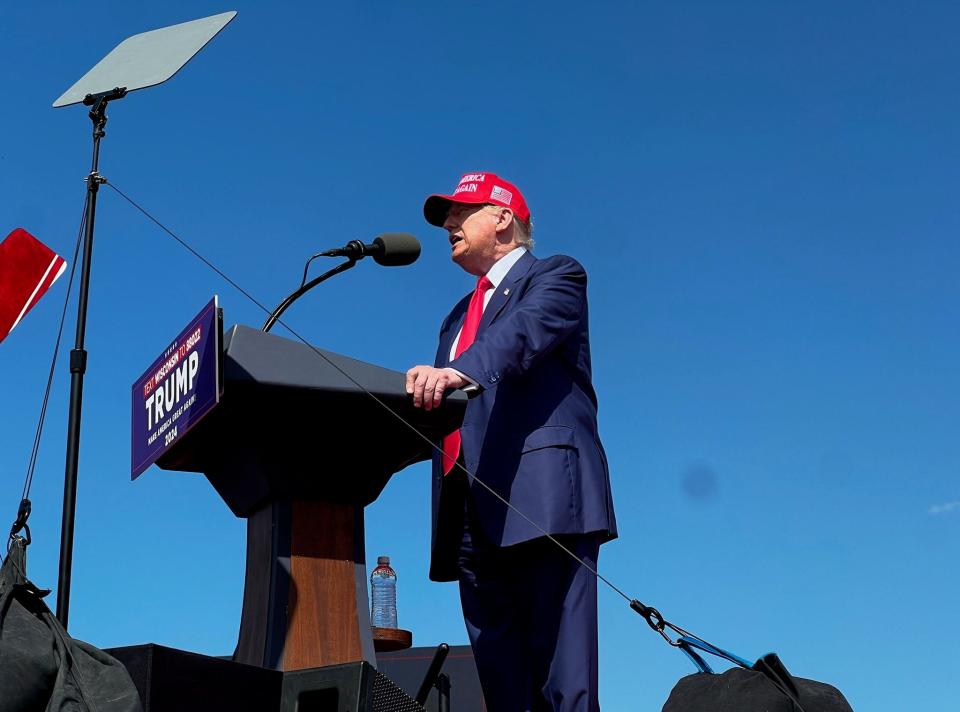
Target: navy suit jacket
531,432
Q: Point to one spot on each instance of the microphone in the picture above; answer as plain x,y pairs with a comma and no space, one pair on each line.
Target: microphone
391,249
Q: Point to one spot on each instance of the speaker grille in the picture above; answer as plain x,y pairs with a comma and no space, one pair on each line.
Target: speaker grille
387,697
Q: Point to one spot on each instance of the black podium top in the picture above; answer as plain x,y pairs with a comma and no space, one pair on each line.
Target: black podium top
290,426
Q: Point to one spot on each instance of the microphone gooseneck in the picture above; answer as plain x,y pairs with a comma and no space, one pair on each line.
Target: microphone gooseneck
391,249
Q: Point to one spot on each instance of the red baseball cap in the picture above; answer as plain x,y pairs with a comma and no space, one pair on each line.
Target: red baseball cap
477,189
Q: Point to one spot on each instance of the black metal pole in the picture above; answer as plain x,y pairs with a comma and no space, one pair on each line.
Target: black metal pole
78,359
443,687
432,675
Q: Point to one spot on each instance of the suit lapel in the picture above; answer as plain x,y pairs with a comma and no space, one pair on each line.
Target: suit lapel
505,290
452,327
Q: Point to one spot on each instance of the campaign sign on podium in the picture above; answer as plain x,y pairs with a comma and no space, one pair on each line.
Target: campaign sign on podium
179,388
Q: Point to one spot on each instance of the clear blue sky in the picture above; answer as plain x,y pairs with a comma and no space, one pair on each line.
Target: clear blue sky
764,195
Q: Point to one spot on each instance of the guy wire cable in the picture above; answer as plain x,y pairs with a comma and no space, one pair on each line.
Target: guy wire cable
24,508
652,616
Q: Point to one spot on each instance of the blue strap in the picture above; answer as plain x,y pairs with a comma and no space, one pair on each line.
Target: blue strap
694,656
687,643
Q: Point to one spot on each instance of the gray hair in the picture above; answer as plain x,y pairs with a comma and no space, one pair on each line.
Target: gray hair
522,229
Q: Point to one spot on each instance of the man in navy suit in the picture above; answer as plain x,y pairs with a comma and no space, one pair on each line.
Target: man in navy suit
529,438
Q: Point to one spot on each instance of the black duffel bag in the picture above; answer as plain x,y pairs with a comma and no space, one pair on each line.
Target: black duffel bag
43,669
763,686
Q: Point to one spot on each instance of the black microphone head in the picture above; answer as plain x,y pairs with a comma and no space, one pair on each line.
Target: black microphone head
396,249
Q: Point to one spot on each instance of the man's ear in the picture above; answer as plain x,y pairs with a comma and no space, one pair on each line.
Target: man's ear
505,219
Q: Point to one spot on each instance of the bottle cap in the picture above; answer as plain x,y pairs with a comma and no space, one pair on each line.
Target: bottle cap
383,561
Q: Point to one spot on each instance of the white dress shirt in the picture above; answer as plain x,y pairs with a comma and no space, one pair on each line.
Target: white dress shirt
495,275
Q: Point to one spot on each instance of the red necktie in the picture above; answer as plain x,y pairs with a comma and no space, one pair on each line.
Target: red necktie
451,443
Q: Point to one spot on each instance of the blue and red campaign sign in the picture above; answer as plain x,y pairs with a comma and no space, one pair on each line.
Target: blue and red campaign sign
178,389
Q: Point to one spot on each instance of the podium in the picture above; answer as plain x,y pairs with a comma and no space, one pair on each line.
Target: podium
299,450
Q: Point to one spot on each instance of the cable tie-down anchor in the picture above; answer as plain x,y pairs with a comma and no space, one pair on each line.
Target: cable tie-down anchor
23,514
654,619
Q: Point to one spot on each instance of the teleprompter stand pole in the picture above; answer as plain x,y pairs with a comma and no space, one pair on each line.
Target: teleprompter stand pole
139,62
78,356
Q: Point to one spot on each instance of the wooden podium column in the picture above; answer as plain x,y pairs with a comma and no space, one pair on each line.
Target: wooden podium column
305,601
325,619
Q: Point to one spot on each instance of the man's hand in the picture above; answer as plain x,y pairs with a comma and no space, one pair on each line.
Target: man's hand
426,384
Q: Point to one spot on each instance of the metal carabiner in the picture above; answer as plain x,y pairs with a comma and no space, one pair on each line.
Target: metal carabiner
23,514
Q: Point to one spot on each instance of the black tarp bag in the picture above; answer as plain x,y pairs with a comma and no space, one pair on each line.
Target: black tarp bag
763,686
42,669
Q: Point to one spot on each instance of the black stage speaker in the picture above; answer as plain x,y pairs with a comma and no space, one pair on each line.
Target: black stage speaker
407,668
351,687
171,680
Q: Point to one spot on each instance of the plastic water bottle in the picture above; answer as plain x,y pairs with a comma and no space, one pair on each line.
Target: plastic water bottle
383,594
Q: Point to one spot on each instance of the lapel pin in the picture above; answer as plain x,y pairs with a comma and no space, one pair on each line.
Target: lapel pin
506,292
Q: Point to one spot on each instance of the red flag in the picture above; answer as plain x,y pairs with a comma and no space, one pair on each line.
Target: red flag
27,269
